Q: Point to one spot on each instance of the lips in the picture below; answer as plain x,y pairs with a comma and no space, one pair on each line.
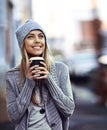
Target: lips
36,47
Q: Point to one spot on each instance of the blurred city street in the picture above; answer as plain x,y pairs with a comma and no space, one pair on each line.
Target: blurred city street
89,114
89,117
77,36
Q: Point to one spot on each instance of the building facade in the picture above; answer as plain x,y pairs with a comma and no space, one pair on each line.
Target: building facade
12,13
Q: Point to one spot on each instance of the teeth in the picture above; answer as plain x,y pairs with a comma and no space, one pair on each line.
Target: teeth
36,47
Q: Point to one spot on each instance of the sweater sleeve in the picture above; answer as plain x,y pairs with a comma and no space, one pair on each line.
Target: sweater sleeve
17,103
62,94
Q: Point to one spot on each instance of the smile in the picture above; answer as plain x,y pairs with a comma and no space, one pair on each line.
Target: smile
36,47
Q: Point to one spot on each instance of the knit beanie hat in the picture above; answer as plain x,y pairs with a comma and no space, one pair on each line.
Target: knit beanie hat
24,29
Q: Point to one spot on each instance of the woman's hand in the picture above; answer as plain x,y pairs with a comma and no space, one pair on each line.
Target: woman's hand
36,72
40,72
29,71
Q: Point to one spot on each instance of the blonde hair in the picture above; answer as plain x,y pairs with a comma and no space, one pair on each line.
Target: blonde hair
25,59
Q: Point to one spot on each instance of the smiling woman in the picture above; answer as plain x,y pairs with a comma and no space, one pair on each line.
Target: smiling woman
35,43
39,97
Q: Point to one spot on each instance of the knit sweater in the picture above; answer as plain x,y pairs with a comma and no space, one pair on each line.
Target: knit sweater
59,103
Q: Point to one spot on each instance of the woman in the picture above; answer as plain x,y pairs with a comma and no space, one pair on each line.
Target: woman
34,101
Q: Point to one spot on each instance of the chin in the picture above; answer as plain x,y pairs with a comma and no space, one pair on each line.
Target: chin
35,55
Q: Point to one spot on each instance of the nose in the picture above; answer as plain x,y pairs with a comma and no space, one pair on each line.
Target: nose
36,39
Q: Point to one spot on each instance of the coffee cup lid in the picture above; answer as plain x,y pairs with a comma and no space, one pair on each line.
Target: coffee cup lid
36,58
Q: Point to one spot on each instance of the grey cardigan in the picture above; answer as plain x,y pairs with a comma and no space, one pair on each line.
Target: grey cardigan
57,95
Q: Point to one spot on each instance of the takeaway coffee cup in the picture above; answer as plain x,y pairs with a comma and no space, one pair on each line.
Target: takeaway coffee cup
36,61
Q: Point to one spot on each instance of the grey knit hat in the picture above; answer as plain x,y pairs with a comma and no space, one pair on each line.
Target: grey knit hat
24,29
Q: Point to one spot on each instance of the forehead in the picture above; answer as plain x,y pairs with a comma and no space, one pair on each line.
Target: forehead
35,32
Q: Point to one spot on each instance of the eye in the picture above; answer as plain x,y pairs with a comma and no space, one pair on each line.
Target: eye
30,36
41,36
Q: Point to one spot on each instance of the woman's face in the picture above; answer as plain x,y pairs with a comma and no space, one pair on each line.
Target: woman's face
35,43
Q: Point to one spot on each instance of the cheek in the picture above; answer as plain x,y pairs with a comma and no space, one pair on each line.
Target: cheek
27,44
26,47
43,43
44,47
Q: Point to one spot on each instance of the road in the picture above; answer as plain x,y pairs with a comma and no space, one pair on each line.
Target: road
89,116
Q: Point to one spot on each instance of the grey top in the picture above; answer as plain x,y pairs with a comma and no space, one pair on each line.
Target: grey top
37,121
57,95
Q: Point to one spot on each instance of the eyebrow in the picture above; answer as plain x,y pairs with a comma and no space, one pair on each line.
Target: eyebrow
31,33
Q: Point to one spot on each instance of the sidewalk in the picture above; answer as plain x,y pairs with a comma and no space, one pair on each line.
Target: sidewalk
88,116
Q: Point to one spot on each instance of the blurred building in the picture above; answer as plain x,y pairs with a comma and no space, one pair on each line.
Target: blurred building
6,51
12,13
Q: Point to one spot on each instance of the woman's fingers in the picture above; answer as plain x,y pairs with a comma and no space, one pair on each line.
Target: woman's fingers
40,72
34,67
36,72
43,63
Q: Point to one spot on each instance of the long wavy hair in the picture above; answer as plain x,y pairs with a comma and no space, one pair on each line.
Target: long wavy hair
25,59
